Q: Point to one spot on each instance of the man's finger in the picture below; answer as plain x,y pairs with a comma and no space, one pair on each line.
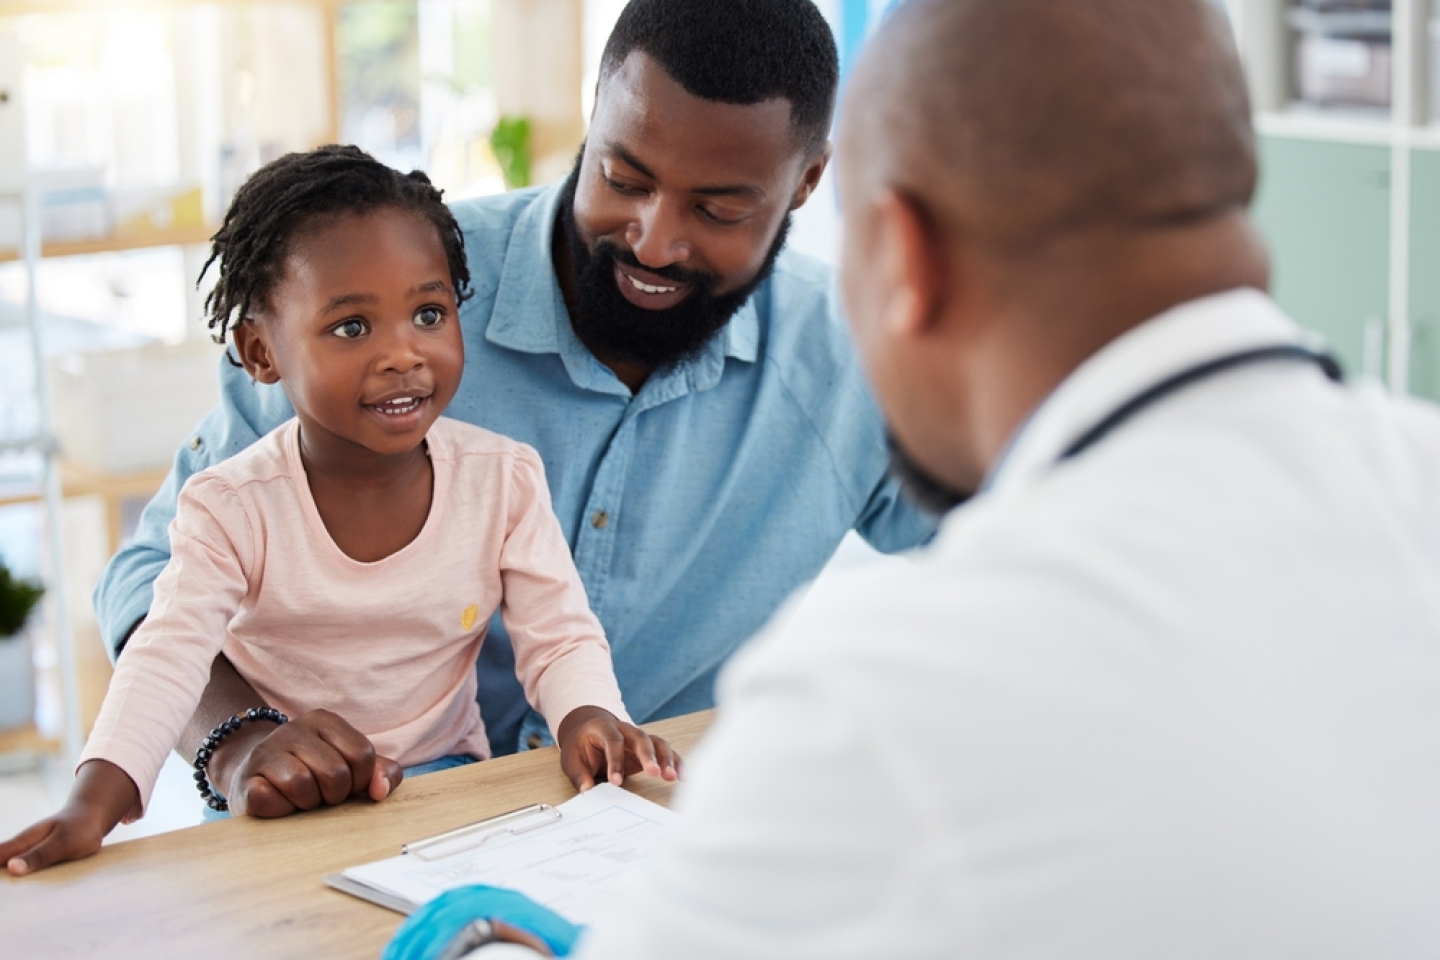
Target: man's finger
330,771
258,797
507,933
352,745
388,775
288,774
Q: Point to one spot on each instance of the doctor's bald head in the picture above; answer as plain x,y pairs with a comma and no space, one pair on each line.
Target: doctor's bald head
1018,120
1022,181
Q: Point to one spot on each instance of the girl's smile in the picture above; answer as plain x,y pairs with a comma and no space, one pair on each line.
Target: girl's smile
362,331
403,412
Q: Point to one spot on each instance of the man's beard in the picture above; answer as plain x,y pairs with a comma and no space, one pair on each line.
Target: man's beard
610,325
918,486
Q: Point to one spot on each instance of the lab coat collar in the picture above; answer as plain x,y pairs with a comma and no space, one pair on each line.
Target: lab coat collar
1176,340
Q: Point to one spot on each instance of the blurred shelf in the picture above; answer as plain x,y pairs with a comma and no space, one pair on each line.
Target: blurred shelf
112,489
1426,138
16,8
1332,126
78,481
25,739
1349,23
170,237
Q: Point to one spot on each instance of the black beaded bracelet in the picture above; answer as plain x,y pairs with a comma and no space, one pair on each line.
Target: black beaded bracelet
212,740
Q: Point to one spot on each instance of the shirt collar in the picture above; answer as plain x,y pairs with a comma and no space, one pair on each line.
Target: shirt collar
1174,341
530,315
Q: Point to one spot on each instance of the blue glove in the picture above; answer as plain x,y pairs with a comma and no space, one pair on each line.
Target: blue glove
431,928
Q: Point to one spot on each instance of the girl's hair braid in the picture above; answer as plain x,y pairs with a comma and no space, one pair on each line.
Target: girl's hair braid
285,197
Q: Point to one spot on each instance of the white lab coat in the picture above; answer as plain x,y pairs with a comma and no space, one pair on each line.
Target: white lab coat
1178,697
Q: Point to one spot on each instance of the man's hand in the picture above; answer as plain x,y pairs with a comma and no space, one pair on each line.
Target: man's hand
505,933
594,745
101,796
316,759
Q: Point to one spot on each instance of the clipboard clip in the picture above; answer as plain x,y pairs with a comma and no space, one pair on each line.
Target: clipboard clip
473,835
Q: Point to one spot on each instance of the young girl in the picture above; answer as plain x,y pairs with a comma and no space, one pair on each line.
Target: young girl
351,560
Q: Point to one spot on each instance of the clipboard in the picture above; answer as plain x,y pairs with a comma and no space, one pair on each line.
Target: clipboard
449,843
568,857
468,837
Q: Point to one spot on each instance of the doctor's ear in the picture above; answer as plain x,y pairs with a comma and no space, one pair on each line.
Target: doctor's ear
910,260
253,351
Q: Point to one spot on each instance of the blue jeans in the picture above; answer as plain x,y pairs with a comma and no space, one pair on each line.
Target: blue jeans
419,770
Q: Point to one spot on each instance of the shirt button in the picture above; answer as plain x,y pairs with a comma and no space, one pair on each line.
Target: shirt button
534,741
599,519
195,443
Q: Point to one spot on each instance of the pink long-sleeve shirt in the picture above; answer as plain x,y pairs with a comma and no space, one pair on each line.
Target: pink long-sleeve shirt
390,646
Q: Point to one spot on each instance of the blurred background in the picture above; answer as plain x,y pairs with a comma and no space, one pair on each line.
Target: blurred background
130,123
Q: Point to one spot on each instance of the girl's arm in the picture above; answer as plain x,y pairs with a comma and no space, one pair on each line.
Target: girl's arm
100,798
156,684
561,656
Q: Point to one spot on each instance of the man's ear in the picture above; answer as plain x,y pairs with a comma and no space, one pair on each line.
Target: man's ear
254,351
810,179
909,255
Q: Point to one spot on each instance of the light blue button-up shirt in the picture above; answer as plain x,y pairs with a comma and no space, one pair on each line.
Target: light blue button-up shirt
692,508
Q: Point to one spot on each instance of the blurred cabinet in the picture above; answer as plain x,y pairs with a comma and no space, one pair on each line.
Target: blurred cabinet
1425,276
163,109
1325,210
1347,101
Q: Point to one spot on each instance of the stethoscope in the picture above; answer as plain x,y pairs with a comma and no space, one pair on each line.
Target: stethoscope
1285,353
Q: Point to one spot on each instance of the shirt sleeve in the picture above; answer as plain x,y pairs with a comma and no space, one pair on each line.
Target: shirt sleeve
561,655
158,683
247,411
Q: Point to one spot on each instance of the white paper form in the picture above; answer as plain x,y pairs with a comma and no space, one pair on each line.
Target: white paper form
570,866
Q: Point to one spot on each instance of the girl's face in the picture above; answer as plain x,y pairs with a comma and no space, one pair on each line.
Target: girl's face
363,333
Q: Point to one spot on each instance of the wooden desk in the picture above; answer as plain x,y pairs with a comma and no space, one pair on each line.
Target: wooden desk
253,889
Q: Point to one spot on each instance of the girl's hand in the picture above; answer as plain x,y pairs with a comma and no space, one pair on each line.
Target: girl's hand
102,795
594,747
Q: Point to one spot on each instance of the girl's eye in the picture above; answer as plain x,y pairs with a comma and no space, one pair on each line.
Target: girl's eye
429,317
350,329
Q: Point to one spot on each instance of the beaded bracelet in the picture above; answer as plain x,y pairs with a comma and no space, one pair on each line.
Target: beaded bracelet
212,740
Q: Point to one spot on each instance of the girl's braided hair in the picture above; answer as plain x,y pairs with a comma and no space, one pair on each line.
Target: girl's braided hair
288,195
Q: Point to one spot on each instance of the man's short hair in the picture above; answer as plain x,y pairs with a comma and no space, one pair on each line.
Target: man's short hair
738,51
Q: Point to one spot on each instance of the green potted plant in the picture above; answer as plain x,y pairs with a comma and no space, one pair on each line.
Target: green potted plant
510,142
18,599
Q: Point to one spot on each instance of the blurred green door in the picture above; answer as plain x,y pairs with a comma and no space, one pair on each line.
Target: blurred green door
1425,274
1325,210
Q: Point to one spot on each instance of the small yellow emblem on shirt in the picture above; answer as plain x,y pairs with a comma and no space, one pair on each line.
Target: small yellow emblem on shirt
468,618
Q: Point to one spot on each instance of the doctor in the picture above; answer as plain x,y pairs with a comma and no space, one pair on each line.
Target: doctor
1168,686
